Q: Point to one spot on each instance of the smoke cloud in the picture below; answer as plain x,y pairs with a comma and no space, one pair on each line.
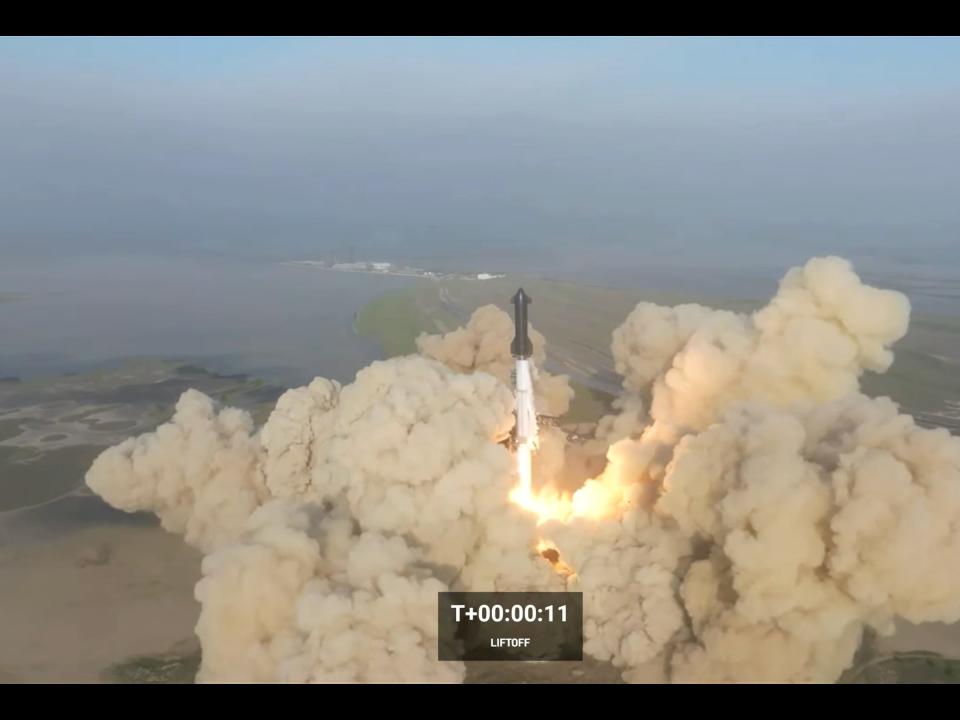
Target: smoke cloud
199,472
484,344
370,494
749,527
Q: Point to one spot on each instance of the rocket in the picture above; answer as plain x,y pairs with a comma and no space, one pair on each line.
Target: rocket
525,431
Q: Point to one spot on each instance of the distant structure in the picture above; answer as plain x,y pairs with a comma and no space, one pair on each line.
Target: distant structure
343,259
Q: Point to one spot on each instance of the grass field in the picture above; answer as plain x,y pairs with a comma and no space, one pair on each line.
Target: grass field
905,668
588,404
394,320
162,669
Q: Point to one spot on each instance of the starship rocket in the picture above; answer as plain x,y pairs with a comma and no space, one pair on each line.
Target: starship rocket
525,431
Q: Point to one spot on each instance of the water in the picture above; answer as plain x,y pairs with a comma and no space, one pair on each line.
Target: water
283,323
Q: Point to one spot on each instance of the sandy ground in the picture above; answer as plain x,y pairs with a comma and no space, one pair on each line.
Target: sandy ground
71,607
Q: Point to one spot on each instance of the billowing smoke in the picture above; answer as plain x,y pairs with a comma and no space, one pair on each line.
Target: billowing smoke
811,510
331,530
305,596
818,523
809,344
748,528
484,344
200,472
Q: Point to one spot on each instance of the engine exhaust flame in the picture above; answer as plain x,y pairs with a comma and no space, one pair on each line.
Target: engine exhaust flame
596,499
546,504
522,494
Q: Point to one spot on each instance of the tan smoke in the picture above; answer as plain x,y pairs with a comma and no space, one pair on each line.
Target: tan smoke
820,522
200,472
748,528
811,343
626,568
484,344
305,597
408,448
814,511
381,488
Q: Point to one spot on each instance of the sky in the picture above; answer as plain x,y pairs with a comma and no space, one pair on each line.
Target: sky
544,152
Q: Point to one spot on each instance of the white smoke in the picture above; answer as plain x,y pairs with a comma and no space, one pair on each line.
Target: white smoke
749,528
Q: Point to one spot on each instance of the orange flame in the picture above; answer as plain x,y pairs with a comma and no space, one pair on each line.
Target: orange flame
547,503
599,497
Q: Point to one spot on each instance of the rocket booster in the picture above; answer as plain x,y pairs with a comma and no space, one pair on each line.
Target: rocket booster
525,431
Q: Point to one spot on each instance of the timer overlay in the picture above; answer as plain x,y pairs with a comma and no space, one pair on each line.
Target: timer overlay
510,626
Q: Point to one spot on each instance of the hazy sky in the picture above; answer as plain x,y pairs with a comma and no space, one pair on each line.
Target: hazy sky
543,149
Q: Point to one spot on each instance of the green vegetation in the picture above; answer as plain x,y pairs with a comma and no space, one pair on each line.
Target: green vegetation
588,404
163,669
906,668
394,320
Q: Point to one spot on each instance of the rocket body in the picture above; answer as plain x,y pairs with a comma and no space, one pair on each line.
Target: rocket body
525,430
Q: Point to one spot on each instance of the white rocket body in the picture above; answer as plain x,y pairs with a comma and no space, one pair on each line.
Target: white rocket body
526,428
525,431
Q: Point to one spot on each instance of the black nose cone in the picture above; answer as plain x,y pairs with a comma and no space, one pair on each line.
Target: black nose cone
521,347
